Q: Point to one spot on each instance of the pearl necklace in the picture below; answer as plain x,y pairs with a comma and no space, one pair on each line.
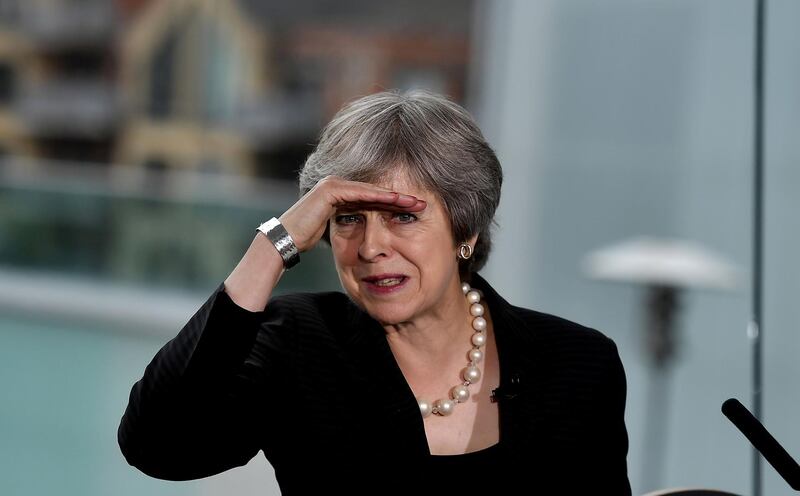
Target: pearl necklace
471,373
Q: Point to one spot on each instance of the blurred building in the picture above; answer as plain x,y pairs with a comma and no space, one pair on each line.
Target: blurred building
125,122
57,91
235,86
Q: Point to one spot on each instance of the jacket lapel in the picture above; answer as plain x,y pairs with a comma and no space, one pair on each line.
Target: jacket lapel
523,354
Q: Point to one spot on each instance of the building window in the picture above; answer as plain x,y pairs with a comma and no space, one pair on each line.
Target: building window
162,77
219,73
6,83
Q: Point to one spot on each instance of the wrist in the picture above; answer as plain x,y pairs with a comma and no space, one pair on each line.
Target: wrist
274,231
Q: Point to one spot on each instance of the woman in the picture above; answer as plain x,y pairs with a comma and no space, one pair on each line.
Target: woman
420,377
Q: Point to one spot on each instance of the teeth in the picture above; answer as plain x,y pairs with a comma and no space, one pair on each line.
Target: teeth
392,281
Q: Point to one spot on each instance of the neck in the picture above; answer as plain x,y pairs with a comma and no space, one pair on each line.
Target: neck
436,338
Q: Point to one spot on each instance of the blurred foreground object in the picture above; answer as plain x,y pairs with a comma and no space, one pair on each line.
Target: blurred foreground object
763,441
690,492
664,268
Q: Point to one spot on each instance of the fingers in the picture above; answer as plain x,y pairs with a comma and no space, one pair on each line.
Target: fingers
398,202
368,195
418,206
410,202
307,219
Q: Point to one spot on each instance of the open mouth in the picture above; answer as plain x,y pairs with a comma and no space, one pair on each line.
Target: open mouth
385,282
389,281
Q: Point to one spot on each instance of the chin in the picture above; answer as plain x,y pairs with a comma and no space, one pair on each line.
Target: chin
387,313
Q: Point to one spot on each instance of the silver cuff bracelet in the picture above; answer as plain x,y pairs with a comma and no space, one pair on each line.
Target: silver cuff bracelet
277,234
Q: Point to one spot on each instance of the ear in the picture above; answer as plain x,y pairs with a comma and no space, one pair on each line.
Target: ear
472,241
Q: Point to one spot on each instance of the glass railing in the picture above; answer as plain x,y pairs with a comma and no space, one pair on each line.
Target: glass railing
174,229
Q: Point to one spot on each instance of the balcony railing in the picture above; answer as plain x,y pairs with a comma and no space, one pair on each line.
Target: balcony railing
170,229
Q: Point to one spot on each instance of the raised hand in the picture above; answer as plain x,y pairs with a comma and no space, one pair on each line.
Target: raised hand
307,218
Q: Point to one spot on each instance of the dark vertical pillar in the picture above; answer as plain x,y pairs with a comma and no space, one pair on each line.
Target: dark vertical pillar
756,329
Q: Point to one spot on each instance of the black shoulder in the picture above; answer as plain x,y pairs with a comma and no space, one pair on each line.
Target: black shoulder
321,310
561,332
309,301
577,362
293,322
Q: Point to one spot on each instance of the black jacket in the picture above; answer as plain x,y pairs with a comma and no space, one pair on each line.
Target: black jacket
312,381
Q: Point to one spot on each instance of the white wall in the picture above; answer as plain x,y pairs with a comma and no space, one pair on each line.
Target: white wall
624,117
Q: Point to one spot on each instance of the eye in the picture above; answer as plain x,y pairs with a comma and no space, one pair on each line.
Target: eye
348,219
405,218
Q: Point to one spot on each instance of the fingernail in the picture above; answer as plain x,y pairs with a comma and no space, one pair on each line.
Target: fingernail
406,197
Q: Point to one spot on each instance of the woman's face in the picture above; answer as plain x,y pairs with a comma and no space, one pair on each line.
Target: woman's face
397,266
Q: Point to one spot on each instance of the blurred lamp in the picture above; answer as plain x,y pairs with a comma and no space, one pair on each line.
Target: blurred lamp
664,262
664,268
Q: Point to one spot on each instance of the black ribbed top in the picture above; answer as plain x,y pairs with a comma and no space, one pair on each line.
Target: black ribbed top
481,471
478,458
312,381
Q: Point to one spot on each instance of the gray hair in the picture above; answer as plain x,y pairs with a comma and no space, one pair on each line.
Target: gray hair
435,141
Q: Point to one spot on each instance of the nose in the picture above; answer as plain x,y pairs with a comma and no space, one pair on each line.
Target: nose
375,243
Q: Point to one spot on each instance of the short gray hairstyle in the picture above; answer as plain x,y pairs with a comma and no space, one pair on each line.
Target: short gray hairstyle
434,140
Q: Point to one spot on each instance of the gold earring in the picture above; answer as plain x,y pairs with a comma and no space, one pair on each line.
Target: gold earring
464,251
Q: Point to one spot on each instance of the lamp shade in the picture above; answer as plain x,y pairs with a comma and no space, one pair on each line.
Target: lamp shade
661,261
